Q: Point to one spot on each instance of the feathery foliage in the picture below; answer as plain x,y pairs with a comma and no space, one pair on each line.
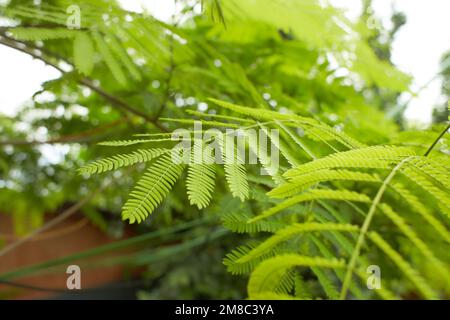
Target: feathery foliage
151,189
201,175
350,190
314,194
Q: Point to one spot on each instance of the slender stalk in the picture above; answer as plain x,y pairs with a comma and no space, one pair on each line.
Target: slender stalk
365,227
100,250
371,213
66,214
436,141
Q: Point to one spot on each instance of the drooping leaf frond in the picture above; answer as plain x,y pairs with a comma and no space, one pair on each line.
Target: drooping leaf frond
421,180
422,247
123,57
109,58
235,172
123,143
269,273
152,188
122,160
371,157
236,266
315,194
419,207
404,266
327,284
299,183
35,34
201,175
83,53
291,231
237,222
320,129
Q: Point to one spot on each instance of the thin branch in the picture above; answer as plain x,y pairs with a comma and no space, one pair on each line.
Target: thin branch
4,40
50,234
365,227
115,101
436,141
120,103
60,218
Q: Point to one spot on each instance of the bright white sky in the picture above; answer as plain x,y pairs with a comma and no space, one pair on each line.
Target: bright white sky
416,50
418,46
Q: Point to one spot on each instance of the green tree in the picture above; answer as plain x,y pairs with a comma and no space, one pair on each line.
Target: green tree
352,190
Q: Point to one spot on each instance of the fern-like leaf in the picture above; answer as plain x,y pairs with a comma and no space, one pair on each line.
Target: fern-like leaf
314,194
122,160
418,206
152,188
123,143
35,34
262,153
423,248
371,157
291,231
121,53
321,130
83,53
404,266
326,282
268,274
299,183
109,59
201,175
417,177
235,172
235,267
237,222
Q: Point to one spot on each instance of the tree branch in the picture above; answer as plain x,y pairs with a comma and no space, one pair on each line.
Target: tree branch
115,101
63,216
78,137
436,140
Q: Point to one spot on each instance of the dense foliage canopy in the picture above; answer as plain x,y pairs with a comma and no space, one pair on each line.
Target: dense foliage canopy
354,188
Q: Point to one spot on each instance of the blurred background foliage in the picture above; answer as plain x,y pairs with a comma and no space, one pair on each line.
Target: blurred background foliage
134,70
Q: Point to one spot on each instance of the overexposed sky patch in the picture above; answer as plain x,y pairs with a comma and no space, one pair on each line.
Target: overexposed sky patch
417,48
20,77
